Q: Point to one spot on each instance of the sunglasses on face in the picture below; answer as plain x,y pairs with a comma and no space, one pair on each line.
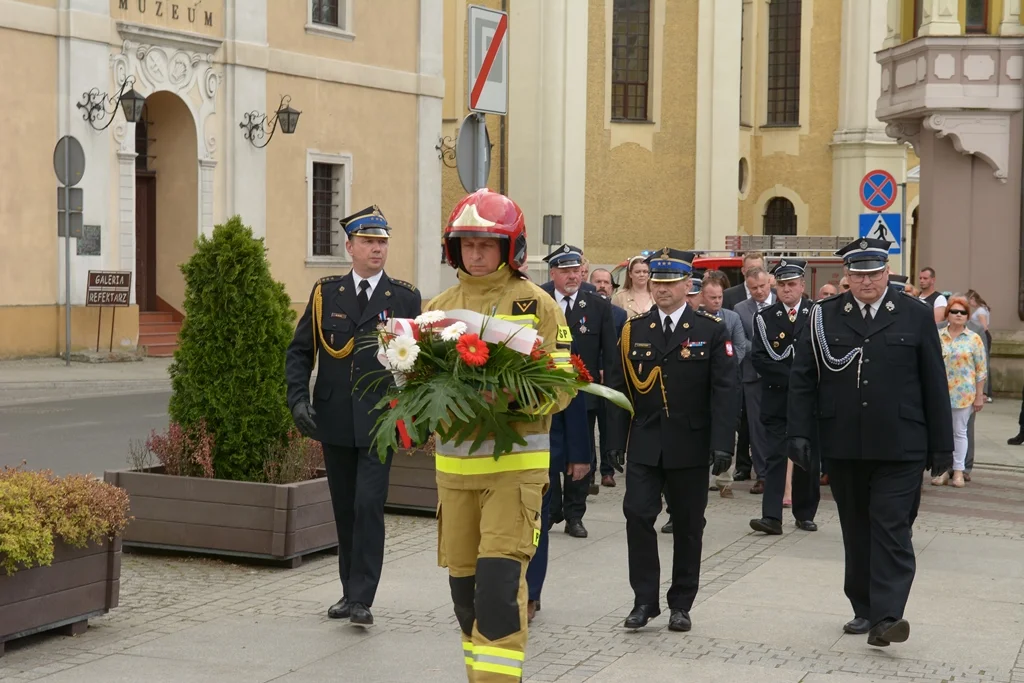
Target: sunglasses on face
958,312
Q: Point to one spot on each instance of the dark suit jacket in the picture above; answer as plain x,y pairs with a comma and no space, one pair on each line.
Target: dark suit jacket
343,398
593,336
698,366
779,335
746,310
733,296
568,447
899,410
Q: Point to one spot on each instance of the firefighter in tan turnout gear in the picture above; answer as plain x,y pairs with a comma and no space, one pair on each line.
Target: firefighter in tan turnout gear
489,508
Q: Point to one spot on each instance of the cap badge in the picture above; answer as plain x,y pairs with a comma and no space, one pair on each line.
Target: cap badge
565,248
848,307
863,244
889,306
782,263
664,253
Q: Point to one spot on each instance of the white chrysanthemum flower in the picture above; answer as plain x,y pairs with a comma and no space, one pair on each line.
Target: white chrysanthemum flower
429,318
402,352
453,331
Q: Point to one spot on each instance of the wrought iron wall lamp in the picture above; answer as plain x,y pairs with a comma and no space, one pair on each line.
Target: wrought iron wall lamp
95,104
256,127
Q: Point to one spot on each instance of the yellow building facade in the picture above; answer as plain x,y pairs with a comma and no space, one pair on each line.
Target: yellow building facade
366,76
651,122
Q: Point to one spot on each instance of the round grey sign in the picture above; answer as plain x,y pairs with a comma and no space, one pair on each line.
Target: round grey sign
69,160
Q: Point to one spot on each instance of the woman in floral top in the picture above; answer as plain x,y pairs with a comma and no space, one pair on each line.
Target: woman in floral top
964,354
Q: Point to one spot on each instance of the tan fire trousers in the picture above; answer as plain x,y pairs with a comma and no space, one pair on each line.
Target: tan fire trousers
487,532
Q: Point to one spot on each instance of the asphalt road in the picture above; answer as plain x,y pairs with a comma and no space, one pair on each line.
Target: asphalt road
84,435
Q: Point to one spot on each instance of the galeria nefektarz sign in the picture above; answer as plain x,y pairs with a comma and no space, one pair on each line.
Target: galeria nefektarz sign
173,10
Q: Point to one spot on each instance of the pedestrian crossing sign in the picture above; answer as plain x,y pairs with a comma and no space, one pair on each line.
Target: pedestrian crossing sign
882,226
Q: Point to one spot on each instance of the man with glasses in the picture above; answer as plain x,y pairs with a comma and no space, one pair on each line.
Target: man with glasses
870,378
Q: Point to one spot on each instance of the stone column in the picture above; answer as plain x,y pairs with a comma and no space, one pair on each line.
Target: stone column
428,124
1009,24
718,117
893,23
860,143
940,18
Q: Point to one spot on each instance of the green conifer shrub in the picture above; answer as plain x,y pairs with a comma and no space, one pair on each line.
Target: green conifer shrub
229,367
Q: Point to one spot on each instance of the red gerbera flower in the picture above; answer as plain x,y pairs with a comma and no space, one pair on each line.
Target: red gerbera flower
582,374
472,350
537,352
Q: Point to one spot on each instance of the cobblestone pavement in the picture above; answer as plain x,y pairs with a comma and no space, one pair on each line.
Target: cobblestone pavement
769,608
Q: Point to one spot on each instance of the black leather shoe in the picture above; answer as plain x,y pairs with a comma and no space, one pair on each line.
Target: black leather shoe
667,528
806,525
640,615
1016,440
857,626
741,476
576,529
339,610
361,615
765,525
889,631
679,620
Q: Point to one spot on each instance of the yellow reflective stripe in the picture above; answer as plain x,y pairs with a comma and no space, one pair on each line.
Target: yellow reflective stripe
530,321
515,671
539,460
499,652
467,650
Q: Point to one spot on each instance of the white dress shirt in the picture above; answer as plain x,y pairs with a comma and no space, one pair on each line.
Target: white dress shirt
356,279
676,315
874,307
571,297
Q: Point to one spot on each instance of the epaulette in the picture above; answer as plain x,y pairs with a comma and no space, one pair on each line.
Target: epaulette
709,316
911,296
639,315
402,283
330,278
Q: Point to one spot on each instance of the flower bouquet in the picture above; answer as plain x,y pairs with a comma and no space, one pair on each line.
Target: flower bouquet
470,377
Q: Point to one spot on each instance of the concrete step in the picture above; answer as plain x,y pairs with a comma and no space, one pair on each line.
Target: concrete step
158,328
160,350
146,339
155,317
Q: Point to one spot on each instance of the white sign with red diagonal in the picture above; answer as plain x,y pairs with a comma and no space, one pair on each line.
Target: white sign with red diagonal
488,60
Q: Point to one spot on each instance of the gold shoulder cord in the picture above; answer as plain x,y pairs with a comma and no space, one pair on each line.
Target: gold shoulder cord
318,332
643,387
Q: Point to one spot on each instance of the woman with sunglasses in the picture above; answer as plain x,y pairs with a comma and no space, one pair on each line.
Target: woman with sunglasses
963,352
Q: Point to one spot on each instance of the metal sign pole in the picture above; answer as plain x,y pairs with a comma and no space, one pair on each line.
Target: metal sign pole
67,253
480,144
903,227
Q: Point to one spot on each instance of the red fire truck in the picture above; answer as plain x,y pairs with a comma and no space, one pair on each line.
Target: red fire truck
818,250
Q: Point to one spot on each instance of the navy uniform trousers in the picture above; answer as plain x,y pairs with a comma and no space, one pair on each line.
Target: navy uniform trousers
565,450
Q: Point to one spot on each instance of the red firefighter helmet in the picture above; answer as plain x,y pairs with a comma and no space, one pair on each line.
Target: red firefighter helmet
485,213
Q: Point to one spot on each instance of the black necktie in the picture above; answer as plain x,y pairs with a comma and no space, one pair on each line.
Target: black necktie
363,297
568,306
867,313
668,328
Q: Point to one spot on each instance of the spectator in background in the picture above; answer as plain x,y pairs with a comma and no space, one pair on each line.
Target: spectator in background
828,289
734,295
963,353
844,284
601,278
980,314
635,295
926,282
713,291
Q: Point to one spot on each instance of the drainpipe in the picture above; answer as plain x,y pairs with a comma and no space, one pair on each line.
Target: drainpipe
1020,267
501,144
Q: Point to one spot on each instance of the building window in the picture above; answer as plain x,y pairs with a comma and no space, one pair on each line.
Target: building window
328,13
976,16
631,48
779,217
327,207
784,62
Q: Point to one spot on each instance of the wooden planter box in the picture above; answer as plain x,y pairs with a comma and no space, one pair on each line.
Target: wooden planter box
80,584
412,485
280,522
